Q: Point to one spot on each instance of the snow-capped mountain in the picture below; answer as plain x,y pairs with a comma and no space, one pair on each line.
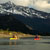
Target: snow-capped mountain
9,7
33,19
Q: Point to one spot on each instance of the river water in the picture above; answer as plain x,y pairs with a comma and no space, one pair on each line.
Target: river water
24,44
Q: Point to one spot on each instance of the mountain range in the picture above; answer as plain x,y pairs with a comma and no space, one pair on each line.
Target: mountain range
32,19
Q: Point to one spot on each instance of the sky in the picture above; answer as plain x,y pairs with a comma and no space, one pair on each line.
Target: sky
42,5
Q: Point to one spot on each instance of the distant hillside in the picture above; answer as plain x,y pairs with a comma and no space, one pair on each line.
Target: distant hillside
24,19
9,22
12,24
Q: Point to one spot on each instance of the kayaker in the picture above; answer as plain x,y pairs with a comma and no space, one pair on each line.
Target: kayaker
37,37
14,36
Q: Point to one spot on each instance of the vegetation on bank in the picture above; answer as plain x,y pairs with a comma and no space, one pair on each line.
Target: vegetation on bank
6,33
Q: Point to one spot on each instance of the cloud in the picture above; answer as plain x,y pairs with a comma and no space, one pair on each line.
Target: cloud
43,5
3,1
21,2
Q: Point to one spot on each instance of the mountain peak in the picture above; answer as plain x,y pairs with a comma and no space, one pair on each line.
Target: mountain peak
10,7
9,2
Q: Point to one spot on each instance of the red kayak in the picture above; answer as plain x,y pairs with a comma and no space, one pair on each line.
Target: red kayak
36,38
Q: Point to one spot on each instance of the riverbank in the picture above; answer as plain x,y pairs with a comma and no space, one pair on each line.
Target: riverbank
19,35
6,34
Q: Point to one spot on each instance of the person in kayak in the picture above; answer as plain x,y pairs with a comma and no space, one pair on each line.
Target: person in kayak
37,37
14,36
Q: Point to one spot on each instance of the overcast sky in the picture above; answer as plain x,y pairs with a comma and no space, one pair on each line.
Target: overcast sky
42,5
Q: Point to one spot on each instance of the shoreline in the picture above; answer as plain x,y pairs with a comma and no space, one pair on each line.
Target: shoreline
7,36
20,36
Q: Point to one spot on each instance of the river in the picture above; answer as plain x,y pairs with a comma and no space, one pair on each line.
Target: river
24,44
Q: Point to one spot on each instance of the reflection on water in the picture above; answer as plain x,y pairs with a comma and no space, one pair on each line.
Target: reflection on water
7,42
24,44
23,41
17,42
12,43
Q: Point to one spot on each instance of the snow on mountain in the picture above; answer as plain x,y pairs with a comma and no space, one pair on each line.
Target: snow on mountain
10,7
33,19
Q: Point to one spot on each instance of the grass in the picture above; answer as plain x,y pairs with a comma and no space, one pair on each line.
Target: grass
6,34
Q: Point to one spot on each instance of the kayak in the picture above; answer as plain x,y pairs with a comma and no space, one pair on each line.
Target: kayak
14,38
36,38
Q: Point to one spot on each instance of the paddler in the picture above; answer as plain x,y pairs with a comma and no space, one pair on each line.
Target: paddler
15,36
37,37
